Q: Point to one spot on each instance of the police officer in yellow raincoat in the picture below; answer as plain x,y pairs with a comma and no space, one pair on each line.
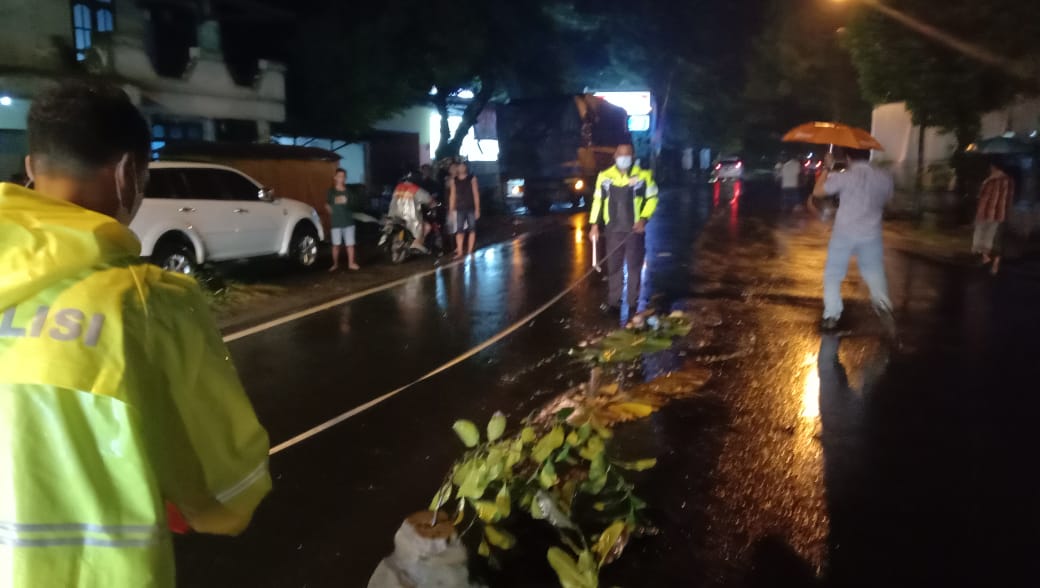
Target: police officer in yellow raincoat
625,198
116,390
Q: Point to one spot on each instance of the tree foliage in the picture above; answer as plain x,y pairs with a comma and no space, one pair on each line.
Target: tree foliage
799,72
494,49
943,87
689,54
352,64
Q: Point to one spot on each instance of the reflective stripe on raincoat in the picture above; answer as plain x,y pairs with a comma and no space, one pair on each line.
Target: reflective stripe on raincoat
116,393
645,200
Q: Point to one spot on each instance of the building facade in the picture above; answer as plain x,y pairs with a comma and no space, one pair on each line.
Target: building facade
166,54
894,128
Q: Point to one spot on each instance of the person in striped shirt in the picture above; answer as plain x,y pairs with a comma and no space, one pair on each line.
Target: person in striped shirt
995,197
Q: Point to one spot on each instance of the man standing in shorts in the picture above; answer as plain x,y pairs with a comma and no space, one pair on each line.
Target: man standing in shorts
464,203
343,230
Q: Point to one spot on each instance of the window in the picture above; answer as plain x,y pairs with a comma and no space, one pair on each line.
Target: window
217,184
165,183
203,184
237,187
90,17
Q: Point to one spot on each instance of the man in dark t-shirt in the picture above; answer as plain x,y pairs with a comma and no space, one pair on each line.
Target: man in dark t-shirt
343,230
464,204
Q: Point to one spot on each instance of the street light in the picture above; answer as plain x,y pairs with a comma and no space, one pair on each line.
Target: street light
6,101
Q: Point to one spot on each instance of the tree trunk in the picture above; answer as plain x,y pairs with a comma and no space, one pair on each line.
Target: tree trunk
452,147
441,102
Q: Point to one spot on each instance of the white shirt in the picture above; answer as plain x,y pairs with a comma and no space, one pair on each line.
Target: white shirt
864,191
790,173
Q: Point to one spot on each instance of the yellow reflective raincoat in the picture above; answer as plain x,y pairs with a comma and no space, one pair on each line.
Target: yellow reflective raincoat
116,393
637,187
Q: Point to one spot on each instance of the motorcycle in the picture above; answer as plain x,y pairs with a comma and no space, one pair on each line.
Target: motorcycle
397,238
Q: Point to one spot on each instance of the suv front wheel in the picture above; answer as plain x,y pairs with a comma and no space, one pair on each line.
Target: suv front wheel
304,246
175,255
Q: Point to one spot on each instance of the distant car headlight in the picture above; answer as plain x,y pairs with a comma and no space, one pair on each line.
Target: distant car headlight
579,185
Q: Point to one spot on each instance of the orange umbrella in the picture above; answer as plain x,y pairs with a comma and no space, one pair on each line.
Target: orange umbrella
827,133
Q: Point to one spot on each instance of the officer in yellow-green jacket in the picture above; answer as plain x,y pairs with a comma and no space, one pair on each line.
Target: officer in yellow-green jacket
116,391
625,199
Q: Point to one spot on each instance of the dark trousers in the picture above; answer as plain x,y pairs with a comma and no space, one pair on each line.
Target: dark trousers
632,252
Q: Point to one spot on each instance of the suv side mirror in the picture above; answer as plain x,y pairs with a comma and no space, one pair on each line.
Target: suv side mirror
266,194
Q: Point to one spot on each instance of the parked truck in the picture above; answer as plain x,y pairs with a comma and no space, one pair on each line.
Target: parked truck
551,149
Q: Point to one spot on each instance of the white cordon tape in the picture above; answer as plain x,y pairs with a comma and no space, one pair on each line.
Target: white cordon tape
495,339
345,299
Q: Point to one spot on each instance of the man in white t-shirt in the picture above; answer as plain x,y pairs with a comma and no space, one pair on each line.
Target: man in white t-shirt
790,176
863,191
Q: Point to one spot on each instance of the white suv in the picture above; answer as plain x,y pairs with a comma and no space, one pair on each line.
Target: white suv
198,212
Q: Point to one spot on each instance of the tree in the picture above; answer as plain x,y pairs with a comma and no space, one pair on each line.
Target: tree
493,49
352,65
799,72
689,54
943,84
943,87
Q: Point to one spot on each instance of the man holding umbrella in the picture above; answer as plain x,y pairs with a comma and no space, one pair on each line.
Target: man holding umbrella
864,191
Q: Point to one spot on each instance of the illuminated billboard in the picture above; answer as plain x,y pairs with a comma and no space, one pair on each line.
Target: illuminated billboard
638,105
634,103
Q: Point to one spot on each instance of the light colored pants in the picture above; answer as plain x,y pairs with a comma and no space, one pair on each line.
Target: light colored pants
870,257
985,236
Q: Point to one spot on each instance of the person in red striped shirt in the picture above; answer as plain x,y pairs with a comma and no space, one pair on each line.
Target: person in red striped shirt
995,197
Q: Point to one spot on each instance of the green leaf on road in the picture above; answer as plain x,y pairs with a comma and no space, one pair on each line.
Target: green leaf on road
467,432
593,448
527,435
496,426
568,571
503,503
564,414
500,538
487,511
583,433
607,540
547,476
475,483
636,466
563,454
551,442
515,454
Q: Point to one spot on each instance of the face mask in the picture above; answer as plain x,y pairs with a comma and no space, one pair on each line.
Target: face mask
623,161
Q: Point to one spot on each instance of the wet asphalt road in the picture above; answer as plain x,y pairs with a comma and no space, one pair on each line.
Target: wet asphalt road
803,460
